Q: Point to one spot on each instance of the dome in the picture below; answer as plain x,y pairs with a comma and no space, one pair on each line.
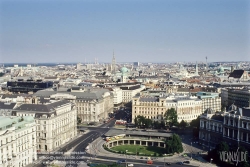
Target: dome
124,70
221,69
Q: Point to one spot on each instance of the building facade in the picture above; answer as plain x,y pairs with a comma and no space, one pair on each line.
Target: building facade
232,126
56,122
17,141
128,92
187,107
239,97
92,105
210,100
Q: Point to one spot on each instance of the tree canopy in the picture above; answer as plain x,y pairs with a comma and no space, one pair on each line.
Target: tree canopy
174,144
171,117
183,124
195,123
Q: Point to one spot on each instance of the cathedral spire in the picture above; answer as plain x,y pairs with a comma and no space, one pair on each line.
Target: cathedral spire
113,63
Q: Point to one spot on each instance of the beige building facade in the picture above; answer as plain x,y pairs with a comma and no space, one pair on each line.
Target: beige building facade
187,107
56,122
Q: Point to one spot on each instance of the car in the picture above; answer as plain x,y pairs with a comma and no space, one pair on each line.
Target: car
121,161
167,163
180,163
130,165
149,162
186,162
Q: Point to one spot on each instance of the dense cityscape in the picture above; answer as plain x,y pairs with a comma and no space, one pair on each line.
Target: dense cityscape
124,83
79,114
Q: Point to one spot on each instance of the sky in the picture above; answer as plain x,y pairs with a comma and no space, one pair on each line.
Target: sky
63,31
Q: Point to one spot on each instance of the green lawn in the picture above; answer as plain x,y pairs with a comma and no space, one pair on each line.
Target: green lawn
141,149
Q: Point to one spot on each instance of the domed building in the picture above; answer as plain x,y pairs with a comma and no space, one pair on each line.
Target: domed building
221,71
124,74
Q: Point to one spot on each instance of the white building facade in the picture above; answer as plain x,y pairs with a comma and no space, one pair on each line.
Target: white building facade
56,122
17,141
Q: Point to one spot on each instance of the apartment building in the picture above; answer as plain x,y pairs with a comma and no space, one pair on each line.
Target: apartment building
17,141
232,126
6,108
187,107
56,122
92,105
224,97
129,91
117,93
239,97
211,128
210,100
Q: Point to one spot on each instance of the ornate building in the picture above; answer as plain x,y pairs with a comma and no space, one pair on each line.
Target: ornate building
17,141
56,122
232,126
187,107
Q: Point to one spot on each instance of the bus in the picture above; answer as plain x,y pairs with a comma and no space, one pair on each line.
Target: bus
117,137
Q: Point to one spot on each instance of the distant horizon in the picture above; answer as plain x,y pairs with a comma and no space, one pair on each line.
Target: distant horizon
68,63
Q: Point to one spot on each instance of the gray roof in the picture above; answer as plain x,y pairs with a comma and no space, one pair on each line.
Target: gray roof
41,107
218,118
149,99
9,96
114,132
92,94
6,106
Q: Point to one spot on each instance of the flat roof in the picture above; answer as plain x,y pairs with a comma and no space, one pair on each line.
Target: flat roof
114,132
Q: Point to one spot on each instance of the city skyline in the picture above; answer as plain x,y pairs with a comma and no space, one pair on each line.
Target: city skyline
143,31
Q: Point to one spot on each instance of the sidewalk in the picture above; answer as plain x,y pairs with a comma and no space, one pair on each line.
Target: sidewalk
96,148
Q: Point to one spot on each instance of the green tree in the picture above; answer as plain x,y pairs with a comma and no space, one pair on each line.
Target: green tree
171,117
147,123
174,145
156,125
141,120
162,125
215,153
183,124
136,121
195,124
79,120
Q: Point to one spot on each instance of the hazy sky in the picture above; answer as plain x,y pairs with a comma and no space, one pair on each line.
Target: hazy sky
137,30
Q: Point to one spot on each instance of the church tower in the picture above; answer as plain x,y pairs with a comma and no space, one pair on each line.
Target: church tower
113,64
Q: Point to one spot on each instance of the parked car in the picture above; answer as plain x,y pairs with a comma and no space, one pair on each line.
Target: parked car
180,163
130,164
186,162
167,163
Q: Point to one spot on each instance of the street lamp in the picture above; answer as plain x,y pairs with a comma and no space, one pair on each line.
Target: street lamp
211,160
126,157
191,150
